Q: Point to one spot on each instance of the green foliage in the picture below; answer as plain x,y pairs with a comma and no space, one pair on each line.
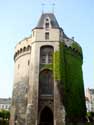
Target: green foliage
77,47
4,114
67,71
67,68
88,114
56,65
74,90
4,117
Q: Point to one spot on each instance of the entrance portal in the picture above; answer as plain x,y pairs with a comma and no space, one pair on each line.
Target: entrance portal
46,117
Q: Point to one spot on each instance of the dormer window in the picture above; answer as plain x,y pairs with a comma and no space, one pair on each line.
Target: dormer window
47,23
47,19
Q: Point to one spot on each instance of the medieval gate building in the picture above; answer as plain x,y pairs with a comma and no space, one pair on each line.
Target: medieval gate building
48,73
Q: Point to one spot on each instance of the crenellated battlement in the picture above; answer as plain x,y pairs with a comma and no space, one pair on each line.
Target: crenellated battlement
23,47
22,51
74,50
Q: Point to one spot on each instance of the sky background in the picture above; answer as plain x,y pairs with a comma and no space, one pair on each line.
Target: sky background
18,17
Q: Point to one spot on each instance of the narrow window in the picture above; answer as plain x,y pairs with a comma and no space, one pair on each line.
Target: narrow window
24,49
47,19
28,62
47,25
28,48
6,107
47,35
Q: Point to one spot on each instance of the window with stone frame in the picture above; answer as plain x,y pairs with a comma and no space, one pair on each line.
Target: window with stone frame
46,55
47,36
47,25
46,82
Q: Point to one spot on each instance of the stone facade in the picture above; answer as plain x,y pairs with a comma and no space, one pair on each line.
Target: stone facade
90,100
33,73
5,103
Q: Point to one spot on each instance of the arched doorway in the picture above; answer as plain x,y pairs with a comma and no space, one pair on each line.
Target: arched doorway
46,117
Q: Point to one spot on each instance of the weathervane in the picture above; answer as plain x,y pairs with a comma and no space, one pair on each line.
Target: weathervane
47,3
53,7
43,7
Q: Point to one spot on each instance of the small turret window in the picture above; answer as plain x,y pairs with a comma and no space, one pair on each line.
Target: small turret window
47,35
28,62
47,19
47,25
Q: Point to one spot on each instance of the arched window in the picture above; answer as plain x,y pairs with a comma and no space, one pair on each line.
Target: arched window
46,54
28,47
24,49
21,50
46,82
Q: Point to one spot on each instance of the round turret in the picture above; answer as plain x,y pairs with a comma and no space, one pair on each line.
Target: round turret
22,59
47,77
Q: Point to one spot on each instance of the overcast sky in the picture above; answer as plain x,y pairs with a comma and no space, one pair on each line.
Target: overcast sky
18,17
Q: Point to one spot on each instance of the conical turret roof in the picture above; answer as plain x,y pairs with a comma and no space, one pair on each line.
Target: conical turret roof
51,16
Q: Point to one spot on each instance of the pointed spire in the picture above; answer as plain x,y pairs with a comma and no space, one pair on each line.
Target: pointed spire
53,21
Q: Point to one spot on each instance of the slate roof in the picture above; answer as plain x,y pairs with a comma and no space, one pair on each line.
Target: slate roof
52,17
5,100
91,91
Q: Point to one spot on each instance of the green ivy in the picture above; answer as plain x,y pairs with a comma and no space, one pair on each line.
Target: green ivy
67,71
67,68
56,65
74,91
76,47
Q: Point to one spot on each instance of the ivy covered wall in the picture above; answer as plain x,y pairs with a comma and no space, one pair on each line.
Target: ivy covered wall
67,72
67,69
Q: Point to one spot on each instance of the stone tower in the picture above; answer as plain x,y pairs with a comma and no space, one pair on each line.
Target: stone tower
40,77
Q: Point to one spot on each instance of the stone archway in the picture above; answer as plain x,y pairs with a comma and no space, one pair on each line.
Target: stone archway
46,116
